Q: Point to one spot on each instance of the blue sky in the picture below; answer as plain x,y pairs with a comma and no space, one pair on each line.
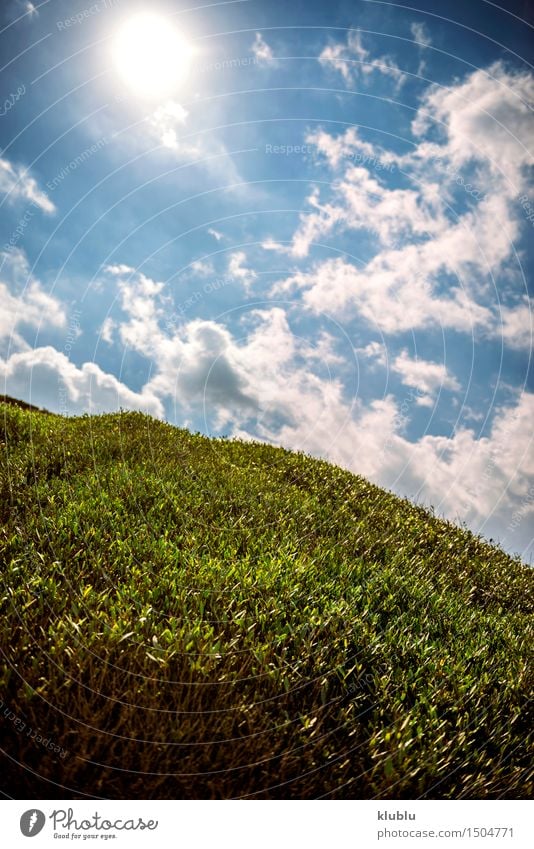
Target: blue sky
319,234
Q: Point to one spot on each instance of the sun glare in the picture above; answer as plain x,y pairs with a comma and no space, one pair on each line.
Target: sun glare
151,56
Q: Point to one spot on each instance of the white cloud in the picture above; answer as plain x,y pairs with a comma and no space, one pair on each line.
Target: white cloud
261,50
239,271
424,375
201,268
47,378
167,125
24,302
323,350
215,233
138,295
44,375
342,57
16,183
107,329
348,146
313,227
420,34
203,368
487,118
119,269
30,10
353,61
375,352
165,121
390,293
34,308
391,213
516,325
426,234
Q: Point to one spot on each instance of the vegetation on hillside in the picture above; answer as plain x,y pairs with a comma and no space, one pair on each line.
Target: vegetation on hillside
185,617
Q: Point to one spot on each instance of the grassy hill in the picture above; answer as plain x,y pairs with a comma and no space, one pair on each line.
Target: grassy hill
185,617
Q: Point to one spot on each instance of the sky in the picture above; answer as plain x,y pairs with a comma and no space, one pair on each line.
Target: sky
305,223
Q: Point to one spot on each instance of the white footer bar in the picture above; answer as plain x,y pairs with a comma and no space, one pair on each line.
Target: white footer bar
258,824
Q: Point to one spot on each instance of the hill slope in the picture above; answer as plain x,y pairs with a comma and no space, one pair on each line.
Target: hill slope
185,617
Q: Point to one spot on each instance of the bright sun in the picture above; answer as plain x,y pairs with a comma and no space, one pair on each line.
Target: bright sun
151,56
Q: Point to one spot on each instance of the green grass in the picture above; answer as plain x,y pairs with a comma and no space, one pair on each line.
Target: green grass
194,618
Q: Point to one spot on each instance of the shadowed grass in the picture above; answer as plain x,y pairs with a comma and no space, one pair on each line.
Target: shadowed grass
194,618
